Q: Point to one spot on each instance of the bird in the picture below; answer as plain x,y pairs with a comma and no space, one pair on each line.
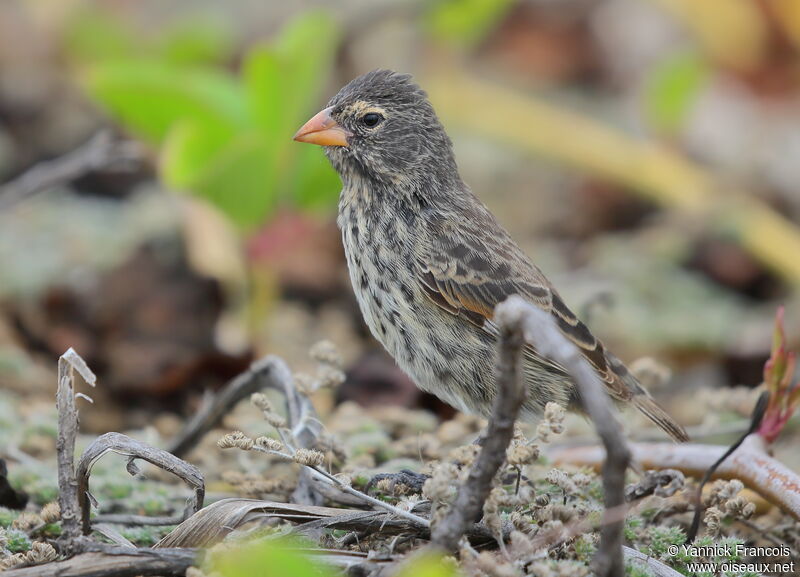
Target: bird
429,262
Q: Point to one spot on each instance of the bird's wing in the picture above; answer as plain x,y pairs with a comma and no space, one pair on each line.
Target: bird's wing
454,285
466,279
470,268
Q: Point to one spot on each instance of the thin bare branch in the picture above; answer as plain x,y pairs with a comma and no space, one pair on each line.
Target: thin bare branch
323,476
68,492
542,333
141,520
510,396
521,322
268,373
416,520
100,152
111,533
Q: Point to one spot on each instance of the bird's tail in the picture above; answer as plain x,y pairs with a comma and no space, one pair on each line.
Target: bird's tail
659,416
629,389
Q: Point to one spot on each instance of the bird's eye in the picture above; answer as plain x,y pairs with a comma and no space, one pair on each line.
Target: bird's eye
371,119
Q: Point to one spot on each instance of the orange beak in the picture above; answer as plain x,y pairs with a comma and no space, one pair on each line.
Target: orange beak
322,130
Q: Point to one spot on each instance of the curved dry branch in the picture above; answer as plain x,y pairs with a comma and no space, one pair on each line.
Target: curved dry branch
541,331
100,152
267,373
133,449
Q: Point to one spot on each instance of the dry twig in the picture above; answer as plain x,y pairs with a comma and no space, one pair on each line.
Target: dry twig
510,396
133,449
101,151
542,333
517,318
758,416
319,474
107,560
68,492
267,373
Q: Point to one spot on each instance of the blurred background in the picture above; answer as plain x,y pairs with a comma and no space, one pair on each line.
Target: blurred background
157,216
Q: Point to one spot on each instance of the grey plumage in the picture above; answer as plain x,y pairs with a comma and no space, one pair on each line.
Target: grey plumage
429,262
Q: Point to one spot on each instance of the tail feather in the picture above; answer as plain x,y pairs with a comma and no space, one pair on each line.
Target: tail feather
626,388
659,416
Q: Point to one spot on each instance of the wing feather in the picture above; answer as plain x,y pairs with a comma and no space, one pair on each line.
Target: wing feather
468,278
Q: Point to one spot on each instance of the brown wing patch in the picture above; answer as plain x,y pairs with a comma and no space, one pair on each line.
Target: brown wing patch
580,334
475,303
428,284
466,291
455,298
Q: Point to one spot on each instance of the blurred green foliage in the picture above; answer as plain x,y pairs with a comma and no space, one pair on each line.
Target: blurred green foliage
428,565
226,138
672,87
464,23
94,36
272,559
266,559
18,541
7,517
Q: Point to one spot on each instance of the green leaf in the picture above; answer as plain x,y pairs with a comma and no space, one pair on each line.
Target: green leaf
94,35
261,74
465,22
200,40
308,46
671,89
240,180
228,141
189,149
427,565
283,80
149,97
283,83
266,560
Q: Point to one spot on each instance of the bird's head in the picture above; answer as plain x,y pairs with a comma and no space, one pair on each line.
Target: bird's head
381,126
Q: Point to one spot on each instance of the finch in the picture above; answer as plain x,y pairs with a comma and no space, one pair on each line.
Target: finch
429,262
